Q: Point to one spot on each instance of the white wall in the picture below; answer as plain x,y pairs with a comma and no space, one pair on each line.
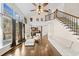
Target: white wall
72,8
54,6
62,39
44,30
35,16
1,32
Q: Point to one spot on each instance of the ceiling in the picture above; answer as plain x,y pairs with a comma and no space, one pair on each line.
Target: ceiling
26,7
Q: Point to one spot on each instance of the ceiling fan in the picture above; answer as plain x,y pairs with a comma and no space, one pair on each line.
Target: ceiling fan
40,8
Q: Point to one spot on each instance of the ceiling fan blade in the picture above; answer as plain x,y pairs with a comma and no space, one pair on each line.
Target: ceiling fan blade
45,10
34,4
45,4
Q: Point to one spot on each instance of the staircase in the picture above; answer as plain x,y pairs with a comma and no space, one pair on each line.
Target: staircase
70,21
64,32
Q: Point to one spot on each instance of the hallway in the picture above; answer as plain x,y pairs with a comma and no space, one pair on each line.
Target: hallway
40,49
39,29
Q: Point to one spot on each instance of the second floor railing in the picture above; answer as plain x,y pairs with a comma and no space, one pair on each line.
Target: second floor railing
50,16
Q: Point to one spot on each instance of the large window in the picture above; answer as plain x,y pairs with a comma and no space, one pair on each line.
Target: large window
7,30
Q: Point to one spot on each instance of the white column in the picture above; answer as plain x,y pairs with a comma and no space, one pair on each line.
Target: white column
1,34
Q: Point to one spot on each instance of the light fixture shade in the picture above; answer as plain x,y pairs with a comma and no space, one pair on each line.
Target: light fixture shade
39,12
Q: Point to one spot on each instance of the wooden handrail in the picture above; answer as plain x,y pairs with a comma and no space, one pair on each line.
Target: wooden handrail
66,13
50,14
55,13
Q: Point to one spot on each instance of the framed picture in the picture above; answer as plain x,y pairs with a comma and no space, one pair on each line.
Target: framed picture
41,19
31,19
37,19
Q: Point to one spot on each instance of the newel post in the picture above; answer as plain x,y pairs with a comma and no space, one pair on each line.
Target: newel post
56,13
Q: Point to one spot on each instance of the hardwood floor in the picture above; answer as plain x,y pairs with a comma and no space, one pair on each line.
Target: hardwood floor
43,48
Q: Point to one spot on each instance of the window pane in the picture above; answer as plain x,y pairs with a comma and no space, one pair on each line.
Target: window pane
7,30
